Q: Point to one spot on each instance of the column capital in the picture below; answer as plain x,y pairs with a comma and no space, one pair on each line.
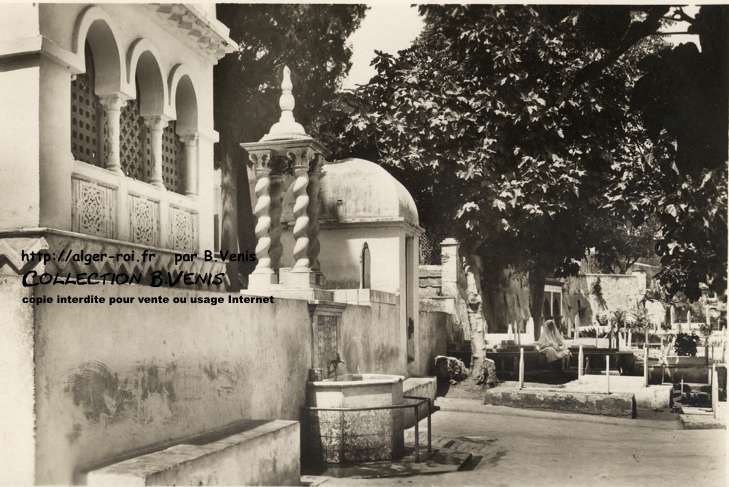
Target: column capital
113,101
303,157
189,139
156,122
262,160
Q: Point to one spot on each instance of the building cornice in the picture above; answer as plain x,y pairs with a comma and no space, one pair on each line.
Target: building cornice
203,32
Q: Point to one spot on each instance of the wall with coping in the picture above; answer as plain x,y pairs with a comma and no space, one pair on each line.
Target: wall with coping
112,380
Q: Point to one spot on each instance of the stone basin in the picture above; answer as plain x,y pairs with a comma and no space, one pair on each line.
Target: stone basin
357,434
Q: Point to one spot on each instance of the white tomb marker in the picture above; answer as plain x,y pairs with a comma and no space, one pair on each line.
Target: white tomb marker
580,362
521,368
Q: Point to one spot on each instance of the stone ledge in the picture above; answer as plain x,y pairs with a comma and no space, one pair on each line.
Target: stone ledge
614,404
265,454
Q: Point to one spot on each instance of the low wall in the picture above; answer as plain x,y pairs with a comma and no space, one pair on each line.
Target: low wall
110,380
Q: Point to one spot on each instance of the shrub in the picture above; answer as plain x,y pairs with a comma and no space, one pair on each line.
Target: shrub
686,344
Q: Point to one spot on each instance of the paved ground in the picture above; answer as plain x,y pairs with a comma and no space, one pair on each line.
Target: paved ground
515,447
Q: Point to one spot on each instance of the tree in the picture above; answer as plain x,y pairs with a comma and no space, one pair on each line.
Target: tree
683,99
311,40
491,121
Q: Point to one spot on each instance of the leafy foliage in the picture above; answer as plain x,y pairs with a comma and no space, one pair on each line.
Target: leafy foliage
310,39
686,344
478,113
532,130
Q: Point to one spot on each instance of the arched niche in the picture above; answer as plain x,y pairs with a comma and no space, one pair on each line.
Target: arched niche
184,99
95,28
144,74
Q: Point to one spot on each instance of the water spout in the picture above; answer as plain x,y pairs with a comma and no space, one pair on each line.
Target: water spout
333,366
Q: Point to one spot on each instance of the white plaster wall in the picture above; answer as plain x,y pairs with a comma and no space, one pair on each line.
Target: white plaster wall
340,256
372,339
433,340
19,148
110,381
17,385
19,128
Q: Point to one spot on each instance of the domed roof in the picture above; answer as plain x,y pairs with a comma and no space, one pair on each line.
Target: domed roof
356,190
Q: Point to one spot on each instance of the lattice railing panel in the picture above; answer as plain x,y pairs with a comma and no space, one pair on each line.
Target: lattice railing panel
183,229
93,208
144,221
172,160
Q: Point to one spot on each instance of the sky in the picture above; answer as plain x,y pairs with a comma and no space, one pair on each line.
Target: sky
393,26
387,27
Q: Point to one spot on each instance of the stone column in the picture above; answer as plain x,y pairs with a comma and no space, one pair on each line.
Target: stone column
156,125
301,213
276,193
314,210
112,111
190,144
263,275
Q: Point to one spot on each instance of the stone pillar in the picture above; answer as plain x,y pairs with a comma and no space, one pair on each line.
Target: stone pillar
190,144
450,266
156,125
314,210
112,111
288,140
263,275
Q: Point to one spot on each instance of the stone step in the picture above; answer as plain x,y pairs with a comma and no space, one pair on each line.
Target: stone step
265,453
613,404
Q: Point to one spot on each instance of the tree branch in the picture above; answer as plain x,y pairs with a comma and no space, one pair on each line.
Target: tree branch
635,32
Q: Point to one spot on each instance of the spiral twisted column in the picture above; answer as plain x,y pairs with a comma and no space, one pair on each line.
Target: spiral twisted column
263,273
276,192
301,211
313,210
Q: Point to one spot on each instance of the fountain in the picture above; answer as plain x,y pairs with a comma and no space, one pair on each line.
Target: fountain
351,418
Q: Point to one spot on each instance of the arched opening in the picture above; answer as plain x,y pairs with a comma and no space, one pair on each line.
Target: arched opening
102,76
87,115
366,264
135,140
179,173
186,106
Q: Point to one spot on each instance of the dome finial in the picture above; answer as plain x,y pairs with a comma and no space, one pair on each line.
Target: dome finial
287,127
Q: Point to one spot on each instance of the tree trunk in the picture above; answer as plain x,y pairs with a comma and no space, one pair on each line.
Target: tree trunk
246,221
537,276
237,222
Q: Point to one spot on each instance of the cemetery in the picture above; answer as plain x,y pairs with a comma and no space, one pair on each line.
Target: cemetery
349,292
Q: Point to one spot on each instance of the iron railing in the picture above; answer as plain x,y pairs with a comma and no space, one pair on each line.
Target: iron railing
420,401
